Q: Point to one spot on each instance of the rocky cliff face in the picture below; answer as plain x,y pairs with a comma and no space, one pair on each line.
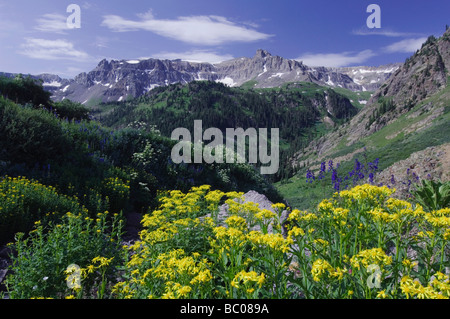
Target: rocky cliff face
423,75
369,78
117,80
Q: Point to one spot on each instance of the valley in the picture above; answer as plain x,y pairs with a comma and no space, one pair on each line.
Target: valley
95,205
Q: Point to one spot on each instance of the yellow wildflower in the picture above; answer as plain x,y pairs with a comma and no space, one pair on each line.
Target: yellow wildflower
319,268
370,256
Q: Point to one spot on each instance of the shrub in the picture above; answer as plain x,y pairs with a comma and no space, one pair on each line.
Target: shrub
357,244
363,243
40,267
30,136
24,201
71,110
432,195
117,192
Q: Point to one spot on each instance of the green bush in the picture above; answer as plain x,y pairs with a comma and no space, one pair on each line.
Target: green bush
71,110
40,267
24,90
24,201
30,136
433,195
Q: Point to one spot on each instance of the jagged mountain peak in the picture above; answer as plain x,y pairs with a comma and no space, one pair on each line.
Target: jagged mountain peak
116,80
261,53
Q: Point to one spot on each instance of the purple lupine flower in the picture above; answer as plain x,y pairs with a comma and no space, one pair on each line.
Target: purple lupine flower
334,176
310,176
330,165
373,165
392,179
357,165
336,186
321,175
371,178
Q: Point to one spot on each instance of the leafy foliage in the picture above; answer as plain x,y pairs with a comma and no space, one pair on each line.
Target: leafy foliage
24,90
70,110
433,195
294,109
30,136
106,169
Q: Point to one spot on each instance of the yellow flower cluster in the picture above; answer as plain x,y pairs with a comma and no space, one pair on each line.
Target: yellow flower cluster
413,288
299,216
244,278
295,232
213,199
117,186
321,267
179,272
246,210
325,206
175,290
226,238
369,257
266,215
237,222
438,219
380,215
372,193
279,207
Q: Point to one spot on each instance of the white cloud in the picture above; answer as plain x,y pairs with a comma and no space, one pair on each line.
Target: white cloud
199,30
383,32
195,56
52,50
52,22
406,46
336,59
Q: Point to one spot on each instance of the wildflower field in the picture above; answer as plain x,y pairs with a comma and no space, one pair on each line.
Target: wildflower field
359,243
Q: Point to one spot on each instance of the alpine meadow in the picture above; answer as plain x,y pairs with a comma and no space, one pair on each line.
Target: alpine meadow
159,153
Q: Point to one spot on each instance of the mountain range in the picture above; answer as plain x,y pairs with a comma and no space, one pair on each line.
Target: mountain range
117,80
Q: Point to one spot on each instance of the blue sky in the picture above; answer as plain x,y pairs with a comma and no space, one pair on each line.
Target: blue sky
35,37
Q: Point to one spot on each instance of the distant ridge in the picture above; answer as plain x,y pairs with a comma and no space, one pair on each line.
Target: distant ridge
116,80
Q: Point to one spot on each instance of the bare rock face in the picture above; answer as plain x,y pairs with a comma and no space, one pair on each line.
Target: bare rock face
116,80
421,76
369,78
433,161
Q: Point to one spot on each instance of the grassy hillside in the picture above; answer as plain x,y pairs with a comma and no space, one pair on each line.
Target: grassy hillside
424,125
301,111
95,166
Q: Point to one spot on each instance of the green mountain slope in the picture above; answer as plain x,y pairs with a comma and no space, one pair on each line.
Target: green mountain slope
407,115
301,111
